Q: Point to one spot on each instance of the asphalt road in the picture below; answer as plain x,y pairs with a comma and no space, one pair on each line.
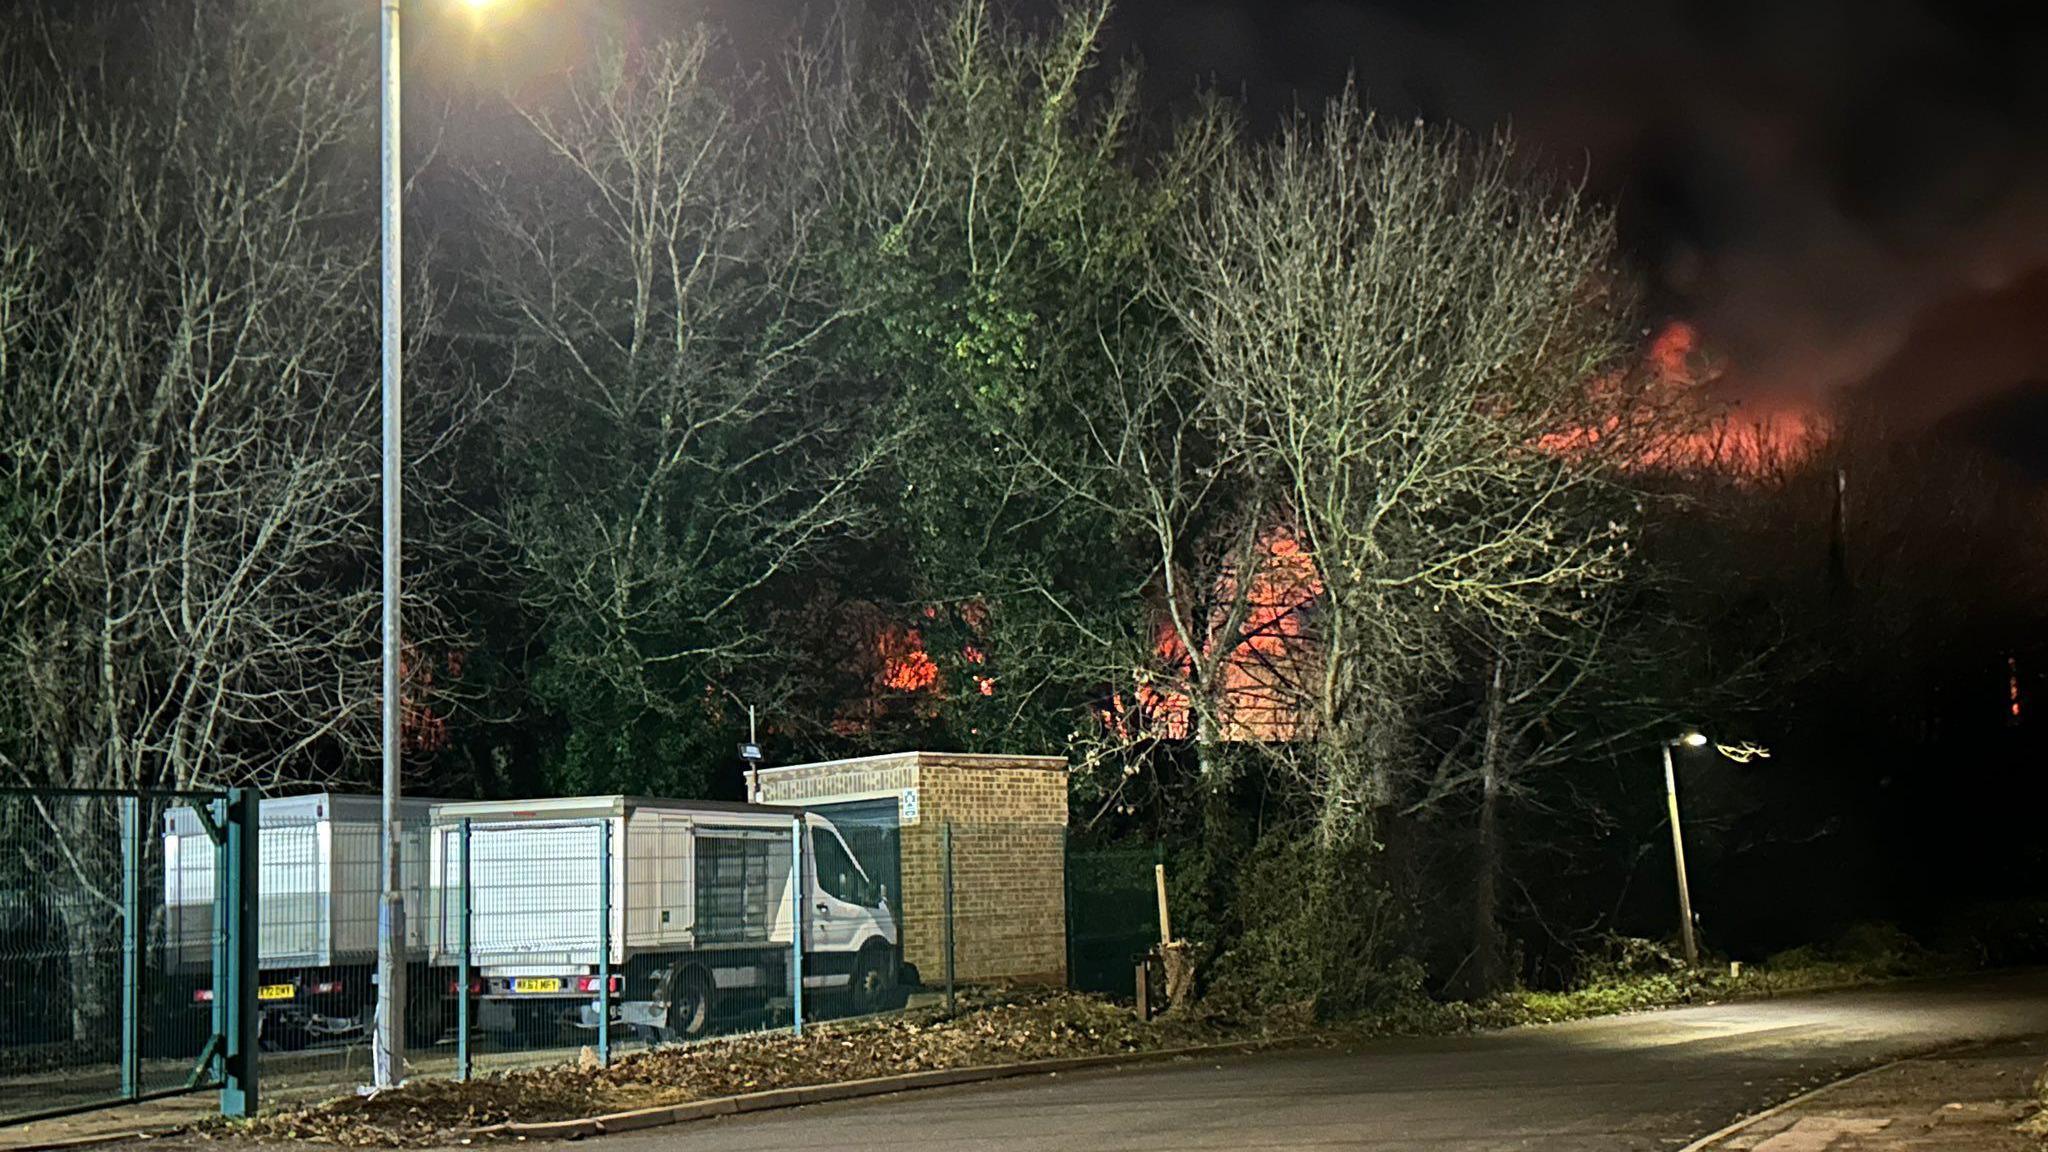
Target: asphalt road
1652,1081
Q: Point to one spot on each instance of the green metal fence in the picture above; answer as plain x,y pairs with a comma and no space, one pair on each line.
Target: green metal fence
155,943
123,949
1112,914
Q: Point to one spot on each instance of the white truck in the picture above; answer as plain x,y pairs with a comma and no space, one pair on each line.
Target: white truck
694,912
317,895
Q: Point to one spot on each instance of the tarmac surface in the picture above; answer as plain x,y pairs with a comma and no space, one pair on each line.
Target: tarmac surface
1657,1080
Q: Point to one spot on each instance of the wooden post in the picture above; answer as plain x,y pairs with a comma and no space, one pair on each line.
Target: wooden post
1165,925
1692,948
1144,990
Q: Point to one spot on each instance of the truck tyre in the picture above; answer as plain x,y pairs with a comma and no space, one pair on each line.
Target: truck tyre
872,984
534,1024
277,1033
426,1013
689,1004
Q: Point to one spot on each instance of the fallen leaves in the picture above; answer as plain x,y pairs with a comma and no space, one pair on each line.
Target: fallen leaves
1019,1027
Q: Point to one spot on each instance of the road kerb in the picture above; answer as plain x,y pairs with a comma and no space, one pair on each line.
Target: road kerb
87,1141
778,1098
1719,1134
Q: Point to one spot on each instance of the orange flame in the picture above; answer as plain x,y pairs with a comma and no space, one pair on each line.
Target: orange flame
1267,655
906,666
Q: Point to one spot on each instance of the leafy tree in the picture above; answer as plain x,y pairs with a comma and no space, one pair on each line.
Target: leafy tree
988,211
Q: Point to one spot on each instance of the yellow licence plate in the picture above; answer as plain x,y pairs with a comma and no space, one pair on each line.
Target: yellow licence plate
276,992
537,984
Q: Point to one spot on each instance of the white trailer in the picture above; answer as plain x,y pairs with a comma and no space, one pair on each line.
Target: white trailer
688,902
317,897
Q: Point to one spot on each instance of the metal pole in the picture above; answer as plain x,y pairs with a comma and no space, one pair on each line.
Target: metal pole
604,945
239,1062
796,925
223,964
753,766
462,977
131,946
1067,900
1692,952
946,870
387,1048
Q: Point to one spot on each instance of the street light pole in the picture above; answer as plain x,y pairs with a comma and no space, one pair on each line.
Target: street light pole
1692,951
387,1046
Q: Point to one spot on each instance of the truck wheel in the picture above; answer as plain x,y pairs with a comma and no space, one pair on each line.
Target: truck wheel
426,1014
689,1004
276,1033
872,985
535,1024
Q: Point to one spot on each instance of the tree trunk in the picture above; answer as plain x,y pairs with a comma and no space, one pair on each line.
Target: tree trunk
1484,973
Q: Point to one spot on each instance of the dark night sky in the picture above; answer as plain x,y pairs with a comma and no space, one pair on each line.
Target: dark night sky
1832,191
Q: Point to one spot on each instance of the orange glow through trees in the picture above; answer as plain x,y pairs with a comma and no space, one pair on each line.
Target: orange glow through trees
1268,655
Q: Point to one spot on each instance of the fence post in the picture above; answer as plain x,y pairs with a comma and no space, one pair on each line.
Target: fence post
462,976
241,913
796,925
131,946
222,974
604,946
1067,899
946,871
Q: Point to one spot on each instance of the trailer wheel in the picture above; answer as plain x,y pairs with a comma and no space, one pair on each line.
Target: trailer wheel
872,986
689,1004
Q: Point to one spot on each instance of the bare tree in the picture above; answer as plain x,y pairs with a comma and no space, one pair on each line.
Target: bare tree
1393,326
187,422
674,436
188,432
985,206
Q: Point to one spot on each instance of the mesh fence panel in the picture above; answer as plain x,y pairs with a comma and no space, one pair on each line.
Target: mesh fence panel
1007,902
1113,915
671,922
318,894
106,950
670,927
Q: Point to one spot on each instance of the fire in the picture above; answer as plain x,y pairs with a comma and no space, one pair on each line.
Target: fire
1654,421
906,666
422,727
1674,353
1268,653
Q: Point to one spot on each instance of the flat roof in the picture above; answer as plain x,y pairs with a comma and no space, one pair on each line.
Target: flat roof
955,759
613,803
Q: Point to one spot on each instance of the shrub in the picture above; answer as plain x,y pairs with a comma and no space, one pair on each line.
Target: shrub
1318,926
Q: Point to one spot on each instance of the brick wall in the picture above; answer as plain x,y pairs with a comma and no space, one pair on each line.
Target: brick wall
1008,816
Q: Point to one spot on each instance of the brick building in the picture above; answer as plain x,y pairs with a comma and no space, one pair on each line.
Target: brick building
1006,817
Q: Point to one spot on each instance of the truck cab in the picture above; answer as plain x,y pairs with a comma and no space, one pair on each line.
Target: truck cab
848,922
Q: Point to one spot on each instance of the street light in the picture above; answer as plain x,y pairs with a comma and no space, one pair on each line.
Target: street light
1690,740
387,1045
1741,754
